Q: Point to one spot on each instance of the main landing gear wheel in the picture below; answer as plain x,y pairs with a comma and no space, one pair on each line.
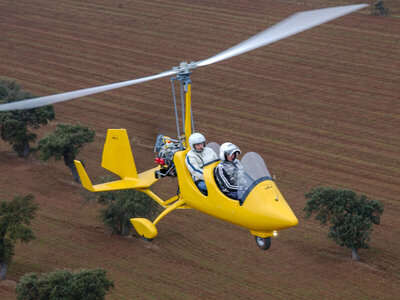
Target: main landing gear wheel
263,243
146,239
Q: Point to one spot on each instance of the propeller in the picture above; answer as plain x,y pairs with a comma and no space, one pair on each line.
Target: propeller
292,25
47,100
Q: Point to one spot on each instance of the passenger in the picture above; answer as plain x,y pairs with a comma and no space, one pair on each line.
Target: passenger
199,156
229,170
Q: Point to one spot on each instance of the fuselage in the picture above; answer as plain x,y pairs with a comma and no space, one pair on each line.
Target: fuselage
263,210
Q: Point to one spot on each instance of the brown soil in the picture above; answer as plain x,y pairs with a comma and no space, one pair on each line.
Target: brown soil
321,107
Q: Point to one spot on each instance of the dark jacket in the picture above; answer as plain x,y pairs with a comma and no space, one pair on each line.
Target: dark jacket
230,176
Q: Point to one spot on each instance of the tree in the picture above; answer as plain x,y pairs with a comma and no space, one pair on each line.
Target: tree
15,216
123,205
351,217
66,142
379,9
63,284
14,124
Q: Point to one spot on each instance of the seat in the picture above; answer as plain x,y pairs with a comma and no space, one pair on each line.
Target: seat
215,147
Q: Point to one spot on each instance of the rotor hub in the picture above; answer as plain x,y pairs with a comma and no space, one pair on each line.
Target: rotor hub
185,67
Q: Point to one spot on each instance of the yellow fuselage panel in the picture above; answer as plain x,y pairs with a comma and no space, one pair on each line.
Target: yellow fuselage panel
263,210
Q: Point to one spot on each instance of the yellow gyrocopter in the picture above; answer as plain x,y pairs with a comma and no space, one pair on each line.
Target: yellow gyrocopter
261,208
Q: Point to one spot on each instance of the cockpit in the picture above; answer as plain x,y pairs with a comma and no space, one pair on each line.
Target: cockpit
254,171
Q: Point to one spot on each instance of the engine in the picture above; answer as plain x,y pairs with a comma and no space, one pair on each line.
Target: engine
165,149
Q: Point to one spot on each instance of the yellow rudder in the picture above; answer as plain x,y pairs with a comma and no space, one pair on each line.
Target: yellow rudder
117,154
85,180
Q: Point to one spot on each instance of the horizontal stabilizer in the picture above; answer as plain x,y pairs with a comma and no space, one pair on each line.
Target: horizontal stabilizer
143,181
117,158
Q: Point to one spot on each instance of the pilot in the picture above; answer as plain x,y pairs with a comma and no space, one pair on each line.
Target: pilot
199,156
229,170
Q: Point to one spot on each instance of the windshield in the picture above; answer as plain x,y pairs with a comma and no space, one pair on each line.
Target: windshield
255,171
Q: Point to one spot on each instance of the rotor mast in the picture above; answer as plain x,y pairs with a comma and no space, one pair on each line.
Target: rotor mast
188,112
186,89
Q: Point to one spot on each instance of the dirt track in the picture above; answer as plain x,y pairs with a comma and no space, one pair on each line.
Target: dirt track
321,107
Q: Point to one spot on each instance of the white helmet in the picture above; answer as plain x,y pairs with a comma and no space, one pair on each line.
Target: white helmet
197,138
228,149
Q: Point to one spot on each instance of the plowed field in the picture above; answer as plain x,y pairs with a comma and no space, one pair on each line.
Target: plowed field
321,107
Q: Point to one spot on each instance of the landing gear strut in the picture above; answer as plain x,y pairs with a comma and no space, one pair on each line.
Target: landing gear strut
263,243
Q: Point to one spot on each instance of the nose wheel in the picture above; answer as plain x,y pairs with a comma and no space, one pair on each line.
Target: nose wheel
263,243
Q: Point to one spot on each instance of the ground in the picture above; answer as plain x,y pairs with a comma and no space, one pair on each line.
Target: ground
321,107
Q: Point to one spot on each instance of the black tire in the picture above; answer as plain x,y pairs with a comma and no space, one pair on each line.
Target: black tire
263,243
146,239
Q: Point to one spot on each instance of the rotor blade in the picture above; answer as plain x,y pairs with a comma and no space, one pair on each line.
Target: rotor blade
294,24
46,100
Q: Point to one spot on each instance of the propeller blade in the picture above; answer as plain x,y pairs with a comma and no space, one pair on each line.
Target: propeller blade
294,24
46,100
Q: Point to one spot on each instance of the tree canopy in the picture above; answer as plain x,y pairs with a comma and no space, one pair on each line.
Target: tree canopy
15,218
351,216
65,142
123,205
14,124
379,9
64,284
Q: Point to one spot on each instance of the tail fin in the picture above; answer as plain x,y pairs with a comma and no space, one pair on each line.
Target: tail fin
85,180
117,158
117,154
